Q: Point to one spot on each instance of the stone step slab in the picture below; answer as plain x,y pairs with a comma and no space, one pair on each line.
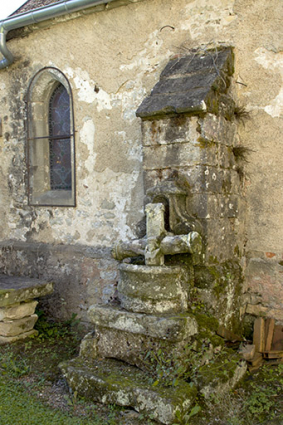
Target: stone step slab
11,328
129,336
128,347
109,381
14,289
17,311
172,327
153,289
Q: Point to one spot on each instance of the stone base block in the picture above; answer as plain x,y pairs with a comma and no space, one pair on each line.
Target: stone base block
112,382
128,347
17,311
130,336
172,327
153,289
11,328
9,339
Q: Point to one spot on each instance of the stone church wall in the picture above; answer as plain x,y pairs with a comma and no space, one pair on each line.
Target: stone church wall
113,57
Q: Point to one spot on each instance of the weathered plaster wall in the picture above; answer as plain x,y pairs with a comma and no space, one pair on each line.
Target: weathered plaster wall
112,59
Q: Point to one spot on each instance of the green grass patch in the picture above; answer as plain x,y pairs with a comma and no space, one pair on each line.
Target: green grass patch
19,407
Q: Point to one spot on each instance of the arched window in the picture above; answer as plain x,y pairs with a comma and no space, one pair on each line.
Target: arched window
50,144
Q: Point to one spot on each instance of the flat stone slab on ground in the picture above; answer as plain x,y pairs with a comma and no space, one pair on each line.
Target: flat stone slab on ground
14,289
112,382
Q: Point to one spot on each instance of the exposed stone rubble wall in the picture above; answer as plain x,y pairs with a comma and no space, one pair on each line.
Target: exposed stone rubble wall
112,60
83,275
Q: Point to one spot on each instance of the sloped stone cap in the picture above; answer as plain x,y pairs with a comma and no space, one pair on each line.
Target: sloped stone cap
190,84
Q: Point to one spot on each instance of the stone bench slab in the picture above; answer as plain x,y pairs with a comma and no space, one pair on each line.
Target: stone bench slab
112,382
15,289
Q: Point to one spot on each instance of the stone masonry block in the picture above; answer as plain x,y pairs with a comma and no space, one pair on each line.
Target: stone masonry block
211,206
178,155
197,63
20,337
88,347
217,129
229,206
17,311
154,177
173,327
12,328
221,240
226,159
153,289
132,348
205,179
177,129
200,178
203,205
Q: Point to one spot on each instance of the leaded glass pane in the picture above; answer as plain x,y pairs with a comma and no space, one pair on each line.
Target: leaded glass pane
60,142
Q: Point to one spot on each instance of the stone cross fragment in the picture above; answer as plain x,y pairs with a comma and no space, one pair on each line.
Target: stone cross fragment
158,242
155,227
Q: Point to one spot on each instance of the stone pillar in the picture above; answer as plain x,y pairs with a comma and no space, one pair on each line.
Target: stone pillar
189,136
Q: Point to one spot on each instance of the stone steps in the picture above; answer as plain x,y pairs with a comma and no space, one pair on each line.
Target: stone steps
111,381
130,336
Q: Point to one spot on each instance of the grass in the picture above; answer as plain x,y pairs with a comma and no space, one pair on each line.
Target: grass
33,392
19,407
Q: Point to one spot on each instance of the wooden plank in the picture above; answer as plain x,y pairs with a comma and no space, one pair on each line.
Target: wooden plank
269,329
228,335
277,342
258,337
273,354
257,360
